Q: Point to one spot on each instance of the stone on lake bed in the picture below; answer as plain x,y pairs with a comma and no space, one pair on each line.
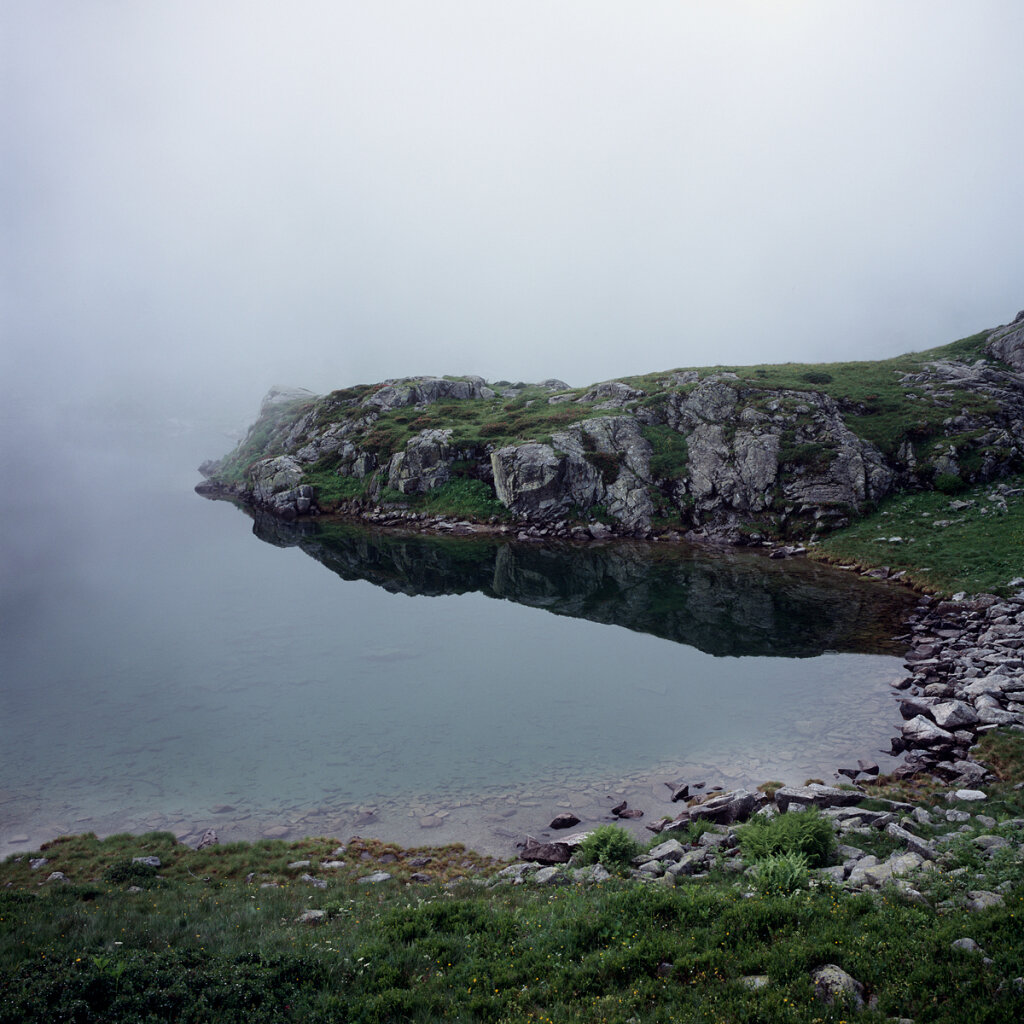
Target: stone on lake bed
564,820
276,831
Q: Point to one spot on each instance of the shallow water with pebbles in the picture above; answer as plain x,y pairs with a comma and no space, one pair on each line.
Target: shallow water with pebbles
168,671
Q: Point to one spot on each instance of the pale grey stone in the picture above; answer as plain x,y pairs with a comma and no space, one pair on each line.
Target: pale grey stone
671,850
374,879
967,795
981,899
832,983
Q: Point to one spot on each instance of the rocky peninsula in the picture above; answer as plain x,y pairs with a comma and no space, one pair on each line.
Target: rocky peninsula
740,455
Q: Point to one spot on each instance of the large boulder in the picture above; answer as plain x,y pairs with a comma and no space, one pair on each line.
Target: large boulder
611,394
424,464
535,480
617,448
546,853
832,984
920,732
815,795
398,393
277,486
728,808
279,396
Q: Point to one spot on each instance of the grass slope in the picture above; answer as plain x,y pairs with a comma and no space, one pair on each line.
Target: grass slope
973,541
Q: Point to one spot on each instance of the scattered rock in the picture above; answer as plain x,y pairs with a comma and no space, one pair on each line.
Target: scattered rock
209,838
312,917
546,853
832,984
564,820
967,796
979,900
374,879
149,862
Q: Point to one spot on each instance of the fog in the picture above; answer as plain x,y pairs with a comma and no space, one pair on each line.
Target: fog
204,199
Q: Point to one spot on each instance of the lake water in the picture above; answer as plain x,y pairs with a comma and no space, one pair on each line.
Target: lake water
165,668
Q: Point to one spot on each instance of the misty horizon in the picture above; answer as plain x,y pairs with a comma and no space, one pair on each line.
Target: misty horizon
206,200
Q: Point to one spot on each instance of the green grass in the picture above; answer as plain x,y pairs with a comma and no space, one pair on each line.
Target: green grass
330,488
978,552
198,947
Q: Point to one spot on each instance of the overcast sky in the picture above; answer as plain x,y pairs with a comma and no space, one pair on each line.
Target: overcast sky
217,196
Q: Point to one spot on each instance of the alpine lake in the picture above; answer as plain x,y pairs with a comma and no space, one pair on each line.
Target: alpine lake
174,663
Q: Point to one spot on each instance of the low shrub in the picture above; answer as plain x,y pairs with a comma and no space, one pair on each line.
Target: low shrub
782,873
949,483
125,870
609,845
806,833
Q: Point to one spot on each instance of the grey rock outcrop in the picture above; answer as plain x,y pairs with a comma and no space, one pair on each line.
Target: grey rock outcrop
422,391
790,451
611,394
534,480
425,463
616,447
1007,343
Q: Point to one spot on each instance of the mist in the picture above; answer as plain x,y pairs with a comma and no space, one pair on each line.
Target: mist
202,200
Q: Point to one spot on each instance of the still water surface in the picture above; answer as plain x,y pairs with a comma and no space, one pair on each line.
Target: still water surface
165,668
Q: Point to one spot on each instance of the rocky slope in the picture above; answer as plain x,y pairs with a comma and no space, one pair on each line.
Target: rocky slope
729,454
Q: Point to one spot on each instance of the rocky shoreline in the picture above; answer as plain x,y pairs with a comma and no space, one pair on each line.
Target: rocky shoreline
965,679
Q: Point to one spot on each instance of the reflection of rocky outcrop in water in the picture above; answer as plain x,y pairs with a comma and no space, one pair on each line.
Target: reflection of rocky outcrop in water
724,603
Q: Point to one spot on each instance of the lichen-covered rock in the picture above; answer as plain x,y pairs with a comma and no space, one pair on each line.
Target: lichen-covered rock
832,984
616,447
611,394
425,464
1007,343
535,480
405,391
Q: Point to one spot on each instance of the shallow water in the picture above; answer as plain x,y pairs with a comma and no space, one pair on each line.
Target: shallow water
164,668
